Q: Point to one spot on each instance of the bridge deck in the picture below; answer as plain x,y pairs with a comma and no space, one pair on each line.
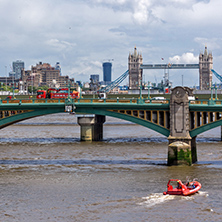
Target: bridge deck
154,114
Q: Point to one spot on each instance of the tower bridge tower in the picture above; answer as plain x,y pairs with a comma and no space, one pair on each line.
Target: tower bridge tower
205,66
135,73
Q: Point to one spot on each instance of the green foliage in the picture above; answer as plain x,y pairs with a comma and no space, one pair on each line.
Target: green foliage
43,88
32,89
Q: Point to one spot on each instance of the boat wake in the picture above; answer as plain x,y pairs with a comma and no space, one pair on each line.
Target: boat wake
203,193
155,198
158,198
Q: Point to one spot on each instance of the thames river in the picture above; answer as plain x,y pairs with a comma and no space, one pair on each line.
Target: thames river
48,174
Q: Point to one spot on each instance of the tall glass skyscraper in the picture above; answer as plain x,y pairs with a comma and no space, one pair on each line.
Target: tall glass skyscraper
17,66
107,72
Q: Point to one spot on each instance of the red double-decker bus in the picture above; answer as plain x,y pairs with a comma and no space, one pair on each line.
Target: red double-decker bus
56,93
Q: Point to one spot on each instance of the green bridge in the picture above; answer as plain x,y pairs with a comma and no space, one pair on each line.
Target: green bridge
179,119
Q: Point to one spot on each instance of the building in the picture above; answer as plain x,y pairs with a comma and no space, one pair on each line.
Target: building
58,67
94,82
135,73
47,73
94,78
205,66
107,72
9,81
17,67
44,74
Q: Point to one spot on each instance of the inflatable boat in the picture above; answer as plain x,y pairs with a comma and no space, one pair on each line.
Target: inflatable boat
176,187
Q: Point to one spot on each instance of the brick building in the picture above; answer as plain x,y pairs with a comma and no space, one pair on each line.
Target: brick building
43,74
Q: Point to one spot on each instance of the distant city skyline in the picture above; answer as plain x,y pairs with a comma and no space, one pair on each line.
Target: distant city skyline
82,34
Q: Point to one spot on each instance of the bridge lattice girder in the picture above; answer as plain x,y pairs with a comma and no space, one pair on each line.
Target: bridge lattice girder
151,114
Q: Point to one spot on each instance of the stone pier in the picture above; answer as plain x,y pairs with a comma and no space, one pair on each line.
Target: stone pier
181,148
91,127
221,133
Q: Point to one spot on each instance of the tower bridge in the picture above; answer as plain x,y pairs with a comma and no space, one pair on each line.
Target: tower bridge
178,119
169,66
136,66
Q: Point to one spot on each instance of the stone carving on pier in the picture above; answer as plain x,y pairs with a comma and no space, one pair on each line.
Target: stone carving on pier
182,148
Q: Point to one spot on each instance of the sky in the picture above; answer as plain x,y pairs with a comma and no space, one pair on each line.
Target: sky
82,34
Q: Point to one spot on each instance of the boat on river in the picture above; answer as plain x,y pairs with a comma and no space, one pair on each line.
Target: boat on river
177,187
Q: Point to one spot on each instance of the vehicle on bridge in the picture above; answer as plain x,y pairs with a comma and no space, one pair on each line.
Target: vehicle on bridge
56,93
159,98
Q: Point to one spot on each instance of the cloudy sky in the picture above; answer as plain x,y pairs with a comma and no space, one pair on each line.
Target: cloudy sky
82,34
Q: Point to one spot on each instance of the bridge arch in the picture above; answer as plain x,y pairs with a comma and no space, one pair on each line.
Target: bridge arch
26,115
205,128
157,128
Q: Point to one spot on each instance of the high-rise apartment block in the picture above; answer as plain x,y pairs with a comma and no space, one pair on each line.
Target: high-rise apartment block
205,66
135,73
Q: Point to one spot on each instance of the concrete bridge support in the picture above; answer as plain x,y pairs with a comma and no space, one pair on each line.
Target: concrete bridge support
91,127
181,148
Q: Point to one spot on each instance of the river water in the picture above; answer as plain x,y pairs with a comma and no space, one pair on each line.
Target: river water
48,174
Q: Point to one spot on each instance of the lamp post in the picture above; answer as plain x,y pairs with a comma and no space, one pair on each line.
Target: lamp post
211,90
13,86
6,77
140,89
149,90
32,84
69,89
215,91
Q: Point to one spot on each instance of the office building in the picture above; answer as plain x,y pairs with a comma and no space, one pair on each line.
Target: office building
94,82
107,72
17,67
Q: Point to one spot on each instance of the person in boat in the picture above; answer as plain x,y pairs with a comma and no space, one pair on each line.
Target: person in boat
178,185
190,185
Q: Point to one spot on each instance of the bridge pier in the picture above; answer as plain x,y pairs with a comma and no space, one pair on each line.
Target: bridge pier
182,151
91,127
181,148
221,133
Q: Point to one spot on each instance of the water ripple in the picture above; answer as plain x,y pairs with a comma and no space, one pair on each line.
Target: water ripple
81,162
39,140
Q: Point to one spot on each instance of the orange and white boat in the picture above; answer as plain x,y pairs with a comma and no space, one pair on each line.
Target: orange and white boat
176,187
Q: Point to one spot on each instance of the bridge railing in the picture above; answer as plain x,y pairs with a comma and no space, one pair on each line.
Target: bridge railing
30,101
206,102
108,100
86,100
123,100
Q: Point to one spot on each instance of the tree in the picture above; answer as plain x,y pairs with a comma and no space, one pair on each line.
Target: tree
32,89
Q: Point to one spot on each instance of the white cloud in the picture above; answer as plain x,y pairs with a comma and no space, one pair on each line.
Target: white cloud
185,58
58,45
81,34
211,43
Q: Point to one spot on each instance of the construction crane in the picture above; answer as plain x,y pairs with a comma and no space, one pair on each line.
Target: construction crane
217,75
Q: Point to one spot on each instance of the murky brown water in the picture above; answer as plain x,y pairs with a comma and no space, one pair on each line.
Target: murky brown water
47,174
